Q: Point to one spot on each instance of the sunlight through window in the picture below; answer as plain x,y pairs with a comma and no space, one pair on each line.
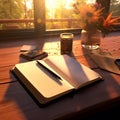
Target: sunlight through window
16,14
60,14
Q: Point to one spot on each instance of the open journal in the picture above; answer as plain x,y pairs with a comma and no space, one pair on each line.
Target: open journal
54,76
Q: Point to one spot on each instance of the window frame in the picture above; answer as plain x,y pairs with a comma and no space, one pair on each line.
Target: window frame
39,28
106,5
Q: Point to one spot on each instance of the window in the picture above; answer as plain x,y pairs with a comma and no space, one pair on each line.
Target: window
60,14
16,14
115,6
20,18
37,17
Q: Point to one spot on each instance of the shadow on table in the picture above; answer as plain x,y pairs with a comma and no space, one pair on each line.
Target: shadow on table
100,97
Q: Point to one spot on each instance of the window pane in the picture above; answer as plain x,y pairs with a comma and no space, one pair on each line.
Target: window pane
115,6
16,14
60,14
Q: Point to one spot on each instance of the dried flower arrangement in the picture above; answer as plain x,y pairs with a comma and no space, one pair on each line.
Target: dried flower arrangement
91,17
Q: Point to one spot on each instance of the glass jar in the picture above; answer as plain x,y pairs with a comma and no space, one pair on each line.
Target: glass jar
91,39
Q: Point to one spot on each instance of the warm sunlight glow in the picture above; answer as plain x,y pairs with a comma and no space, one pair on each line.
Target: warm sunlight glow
68,4
53,5
90,1
29,4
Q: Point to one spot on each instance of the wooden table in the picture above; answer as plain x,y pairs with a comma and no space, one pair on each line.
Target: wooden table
17,104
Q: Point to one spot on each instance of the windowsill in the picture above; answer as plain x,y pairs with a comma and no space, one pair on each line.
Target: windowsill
50,38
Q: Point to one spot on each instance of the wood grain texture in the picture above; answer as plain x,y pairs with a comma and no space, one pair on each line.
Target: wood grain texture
18,104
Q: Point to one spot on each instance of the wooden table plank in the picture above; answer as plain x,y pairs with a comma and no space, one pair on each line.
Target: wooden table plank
5,74
111,44
18,103
87,61
9,59
9,50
